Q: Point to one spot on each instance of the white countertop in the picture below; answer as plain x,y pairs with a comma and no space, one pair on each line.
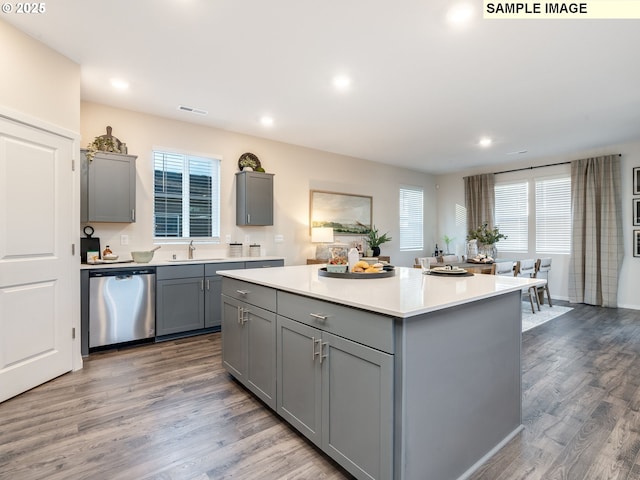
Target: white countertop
162,262
406,294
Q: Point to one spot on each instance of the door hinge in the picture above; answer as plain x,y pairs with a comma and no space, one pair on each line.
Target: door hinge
73,249
73,333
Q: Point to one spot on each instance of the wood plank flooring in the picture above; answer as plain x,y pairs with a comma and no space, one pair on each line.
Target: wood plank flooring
169,411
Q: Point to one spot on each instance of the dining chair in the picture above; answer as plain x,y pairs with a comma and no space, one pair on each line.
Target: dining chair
505,269
527,268
543,266
450,258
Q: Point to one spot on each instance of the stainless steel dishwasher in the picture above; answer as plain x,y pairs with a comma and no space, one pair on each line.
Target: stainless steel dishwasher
121,306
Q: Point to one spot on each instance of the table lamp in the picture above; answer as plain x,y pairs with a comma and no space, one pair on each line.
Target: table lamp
323,236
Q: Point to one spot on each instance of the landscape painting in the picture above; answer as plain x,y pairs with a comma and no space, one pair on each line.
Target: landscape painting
347,214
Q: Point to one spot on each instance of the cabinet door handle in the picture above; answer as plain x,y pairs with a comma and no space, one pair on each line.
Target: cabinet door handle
239,315
317,316
133,214
208,286
322,345
248,218
202,285
244,315
243,292
313,347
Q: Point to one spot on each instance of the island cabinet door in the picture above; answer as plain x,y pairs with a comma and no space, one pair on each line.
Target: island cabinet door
299,377
357,407
249,347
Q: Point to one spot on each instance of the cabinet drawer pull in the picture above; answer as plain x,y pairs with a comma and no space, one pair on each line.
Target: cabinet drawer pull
243,292
317,316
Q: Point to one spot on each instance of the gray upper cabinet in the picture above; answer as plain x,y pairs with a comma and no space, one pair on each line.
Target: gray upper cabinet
254,198
108,187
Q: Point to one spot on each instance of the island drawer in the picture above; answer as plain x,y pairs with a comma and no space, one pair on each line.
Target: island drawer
263,297
367,328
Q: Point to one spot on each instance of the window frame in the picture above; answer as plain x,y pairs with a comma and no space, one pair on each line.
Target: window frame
417,228
216,163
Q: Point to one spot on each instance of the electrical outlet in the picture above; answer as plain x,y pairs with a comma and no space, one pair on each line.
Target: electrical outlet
247,239
278,238
124,239
227,238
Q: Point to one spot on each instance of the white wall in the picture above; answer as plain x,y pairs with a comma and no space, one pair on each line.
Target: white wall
297,171
37,81
450,190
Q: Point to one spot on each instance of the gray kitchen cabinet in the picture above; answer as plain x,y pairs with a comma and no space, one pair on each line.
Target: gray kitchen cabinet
339,394
249,346
108,187
213,292
264,263
254,198
180,297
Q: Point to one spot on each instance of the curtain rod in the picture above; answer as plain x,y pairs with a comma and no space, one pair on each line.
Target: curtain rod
537,166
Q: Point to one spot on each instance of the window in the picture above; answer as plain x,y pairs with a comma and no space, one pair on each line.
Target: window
553,215
411,218
512,215
186,196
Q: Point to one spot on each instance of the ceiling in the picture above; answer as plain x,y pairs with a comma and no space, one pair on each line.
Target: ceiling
422,94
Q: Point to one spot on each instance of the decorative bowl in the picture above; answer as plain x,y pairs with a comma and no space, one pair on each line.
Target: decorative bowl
142,257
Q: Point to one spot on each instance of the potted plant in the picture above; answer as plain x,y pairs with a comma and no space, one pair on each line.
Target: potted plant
448,240
374,240
487,239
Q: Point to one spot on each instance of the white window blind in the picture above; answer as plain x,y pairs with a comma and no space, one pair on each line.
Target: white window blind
553,215
186,196
512,216
411,218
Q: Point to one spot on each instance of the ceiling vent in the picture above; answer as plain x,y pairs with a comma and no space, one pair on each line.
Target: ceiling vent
197,111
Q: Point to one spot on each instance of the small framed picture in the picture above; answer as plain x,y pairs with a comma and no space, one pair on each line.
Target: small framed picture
636,211
636,243
636,181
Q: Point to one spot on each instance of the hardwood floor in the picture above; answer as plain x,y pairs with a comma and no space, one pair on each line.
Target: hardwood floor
169,411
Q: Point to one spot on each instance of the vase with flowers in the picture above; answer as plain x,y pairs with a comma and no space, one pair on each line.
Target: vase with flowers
486,238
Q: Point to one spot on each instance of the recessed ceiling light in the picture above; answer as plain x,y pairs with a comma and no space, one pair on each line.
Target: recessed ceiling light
341,82
485,142
460,14
119,83
266,121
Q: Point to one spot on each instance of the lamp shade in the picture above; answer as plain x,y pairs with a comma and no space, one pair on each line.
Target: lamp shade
322,235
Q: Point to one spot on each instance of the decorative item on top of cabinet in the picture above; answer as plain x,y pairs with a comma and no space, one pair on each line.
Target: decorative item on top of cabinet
107,187
249,162
105,143
254,198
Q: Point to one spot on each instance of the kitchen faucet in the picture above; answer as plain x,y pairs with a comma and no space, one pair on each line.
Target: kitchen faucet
191,249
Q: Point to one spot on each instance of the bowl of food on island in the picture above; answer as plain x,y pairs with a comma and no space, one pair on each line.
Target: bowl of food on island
337,265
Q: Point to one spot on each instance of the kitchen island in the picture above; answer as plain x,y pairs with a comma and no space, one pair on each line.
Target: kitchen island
410,377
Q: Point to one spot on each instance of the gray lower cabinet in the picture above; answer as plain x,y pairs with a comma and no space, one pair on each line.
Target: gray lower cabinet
326,369
249,347
339,394
188,297
179,299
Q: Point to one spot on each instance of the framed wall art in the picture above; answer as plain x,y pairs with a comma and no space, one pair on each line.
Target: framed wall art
636,211
636,181
636,243
346,213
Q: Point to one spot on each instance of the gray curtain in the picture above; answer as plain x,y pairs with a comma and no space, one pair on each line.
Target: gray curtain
597,243
479,199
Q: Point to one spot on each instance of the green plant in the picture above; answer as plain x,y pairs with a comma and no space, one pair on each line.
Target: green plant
486,235
101,144
374,239
448,240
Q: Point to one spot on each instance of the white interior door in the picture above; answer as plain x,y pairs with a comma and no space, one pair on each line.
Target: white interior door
36,193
